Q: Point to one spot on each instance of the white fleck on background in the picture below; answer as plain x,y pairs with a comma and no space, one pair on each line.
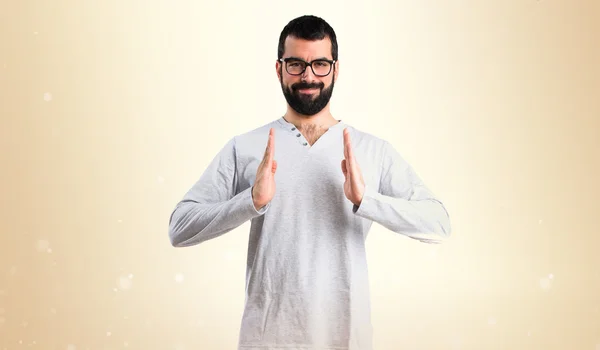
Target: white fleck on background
179,277
125,282
546,282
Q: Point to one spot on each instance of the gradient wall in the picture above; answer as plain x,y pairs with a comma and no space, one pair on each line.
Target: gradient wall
111,110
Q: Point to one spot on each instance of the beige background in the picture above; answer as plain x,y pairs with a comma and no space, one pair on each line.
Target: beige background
111,110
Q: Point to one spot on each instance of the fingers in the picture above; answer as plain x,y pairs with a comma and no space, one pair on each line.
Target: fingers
272,144
348,152
267,148
270,149
346,142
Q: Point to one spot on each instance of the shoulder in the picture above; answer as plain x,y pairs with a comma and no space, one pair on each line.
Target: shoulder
376,148
366,140
253,137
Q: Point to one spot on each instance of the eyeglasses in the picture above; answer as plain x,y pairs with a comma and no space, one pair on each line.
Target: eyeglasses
295,66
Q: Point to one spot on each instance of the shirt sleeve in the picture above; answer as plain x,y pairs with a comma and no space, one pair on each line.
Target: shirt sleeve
213,206
403,203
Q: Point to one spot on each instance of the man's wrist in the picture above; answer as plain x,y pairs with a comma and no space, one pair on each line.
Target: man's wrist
257,206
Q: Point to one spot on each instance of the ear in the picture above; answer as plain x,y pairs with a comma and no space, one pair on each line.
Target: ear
336,65
277,69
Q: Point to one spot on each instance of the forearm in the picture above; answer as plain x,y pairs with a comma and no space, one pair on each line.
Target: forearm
424,219
192,222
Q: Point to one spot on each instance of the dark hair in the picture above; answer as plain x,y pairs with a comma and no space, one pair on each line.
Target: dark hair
308,28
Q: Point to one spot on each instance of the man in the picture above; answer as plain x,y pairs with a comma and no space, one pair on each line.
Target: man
311,186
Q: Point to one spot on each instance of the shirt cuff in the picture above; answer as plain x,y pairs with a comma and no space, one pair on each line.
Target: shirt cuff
366,204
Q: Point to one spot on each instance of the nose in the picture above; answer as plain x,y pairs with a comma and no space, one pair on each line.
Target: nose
308,75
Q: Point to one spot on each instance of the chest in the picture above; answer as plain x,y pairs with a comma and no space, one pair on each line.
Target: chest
312,134
310,170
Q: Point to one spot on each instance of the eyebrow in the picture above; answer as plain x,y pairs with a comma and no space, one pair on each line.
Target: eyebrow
298,58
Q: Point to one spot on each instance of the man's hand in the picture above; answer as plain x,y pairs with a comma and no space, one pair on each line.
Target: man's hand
354,186
263,189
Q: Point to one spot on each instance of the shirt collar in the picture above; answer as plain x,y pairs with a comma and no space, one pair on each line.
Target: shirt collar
289,126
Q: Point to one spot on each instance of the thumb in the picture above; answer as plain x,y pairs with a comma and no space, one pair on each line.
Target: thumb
344,169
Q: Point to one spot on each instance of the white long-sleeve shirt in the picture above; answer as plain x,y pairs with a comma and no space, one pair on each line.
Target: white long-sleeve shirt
306,278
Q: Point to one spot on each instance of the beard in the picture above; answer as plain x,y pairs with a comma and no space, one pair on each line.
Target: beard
306,104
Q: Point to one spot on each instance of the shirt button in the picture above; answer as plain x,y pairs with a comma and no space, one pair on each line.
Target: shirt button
298,135
293,129
305,144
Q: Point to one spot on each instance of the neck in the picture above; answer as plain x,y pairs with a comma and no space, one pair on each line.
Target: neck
323,119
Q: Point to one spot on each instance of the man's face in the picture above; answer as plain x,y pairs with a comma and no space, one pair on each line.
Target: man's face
307,93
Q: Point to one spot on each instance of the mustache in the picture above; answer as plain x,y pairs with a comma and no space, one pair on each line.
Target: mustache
299,86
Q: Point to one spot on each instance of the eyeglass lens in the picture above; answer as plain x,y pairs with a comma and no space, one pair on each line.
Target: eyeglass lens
296,67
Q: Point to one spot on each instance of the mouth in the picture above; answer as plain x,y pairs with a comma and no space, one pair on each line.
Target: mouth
307,91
